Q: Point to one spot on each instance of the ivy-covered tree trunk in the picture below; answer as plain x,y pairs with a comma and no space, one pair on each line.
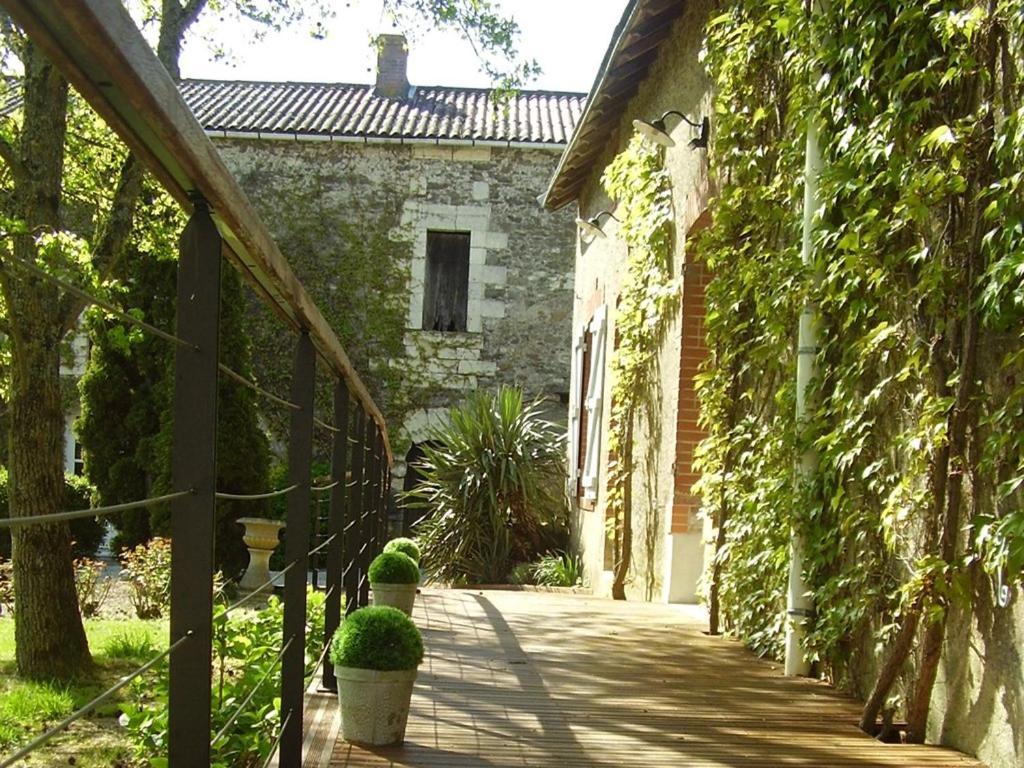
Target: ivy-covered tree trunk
625,523
49,636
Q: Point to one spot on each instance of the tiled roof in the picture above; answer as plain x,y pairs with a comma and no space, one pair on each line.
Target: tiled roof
342,110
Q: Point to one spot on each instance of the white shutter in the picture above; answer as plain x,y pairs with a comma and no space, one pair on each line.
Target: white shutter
595,398
579,345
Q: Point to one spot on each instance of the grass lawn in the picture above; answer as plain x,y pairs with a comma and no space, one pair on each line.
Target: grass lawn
118,646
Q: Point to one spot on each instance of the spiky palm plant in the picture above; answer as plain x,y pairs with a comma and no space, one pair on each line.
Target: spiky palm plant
492,489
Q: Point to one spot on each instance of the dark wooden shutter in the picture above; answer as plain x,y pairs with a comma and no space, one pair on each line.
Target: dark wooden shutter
446,288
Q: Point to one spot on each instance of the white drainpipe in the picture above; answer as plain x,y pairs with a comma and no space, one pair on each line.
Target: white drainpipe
800,602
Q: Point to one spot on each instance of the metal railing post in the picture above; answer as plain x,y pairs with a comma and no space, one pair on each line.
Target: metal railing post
354,536
194,466
300,457
382,507
387,483
335,526
368,510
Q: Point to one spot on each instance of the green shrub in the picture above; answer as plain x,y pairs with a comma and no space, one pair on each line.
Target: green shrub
91,586
405,546
86,532
558,569
245,649
492,491
147,569
394,568
378,637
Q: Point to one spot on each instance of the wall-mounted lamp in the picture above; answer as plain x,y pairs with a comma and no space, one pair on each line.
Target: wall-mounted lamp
656,132
592,226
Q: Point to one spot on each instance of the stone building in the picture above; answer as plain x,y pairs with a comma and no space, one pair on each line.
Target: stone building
429,195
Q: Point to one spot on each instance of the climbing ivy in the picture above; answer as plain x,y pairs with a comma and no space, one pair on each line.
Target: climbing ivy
919,250
647,301
351,256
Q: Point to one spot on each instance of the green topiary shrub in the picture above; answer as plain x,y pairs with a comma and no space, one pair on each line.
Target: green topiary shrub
405,546
378,637
394,568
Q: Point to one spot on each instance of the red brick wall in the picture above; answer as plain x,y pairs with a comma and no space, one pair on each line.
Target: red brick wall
688,434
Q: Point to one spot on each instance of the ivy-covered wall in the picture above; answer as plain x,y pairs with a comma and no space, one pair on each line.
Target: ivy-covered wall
911,523
659,559
352,219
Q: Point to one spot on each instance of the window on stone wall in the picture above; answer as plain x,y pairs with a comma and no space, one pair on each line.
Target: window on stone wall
446,287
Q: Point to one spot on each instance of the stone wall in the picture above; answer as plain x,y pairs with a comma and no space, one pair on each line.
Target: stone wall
352,219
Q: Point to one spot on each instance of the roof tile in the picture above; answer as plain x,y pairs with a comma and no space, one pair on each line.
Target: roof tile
340,109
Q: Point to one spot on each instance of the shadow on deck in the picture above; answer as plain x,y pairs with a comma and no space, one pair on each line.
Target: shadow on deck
534,679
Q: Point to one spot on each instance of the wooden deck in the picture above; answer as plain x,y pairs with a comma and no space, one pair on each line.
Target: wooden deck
535,680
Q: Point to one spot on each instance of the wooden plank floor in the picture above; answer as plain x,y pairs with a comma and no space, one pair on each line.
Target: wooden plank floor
533,680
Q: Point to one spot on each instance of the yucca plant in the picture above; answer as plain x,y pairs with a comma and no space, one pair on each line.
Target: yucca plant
492,489
558,569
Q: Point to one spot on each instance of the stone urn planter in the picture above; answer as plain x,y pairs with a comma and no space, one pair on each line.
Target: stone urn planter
375,653
261,537
394,578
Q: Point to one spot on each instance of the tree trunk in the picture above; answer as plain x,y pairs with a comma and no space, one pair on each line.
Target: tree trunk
891,668
626,546
938,476
49,636
963,414
714,601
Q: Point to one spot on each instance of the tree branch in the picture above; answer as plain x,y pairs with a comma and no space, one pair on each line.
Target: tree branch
10,157
113,235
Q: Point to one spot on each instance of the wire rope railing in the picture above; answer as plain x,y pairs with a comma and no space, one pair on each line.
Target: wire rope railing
277,741
130,319
255,496
234,376
61,517
322,488
240,709
355,521
325,426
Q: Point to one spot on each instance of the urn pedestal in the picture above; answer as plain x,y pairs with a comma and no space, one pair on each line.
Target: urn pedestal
261,537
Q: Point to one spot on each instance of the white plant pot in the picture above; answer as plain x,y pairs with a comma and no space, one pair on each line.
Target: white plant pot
400,596
374,705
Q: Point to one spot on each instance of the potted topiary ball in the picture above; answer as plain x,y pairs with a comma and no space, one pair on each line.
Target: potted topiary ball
406,546
375,654
394,577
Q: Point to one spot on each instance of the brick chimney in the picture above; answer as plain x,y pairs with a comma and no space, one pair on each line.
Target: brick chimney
392,61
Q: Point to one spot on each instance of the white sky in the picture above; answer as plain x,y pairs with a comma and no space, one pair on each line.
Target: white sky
567,37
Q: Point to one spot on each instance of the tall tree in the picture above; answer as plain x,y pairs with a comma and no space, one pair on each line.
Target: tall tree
53,222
